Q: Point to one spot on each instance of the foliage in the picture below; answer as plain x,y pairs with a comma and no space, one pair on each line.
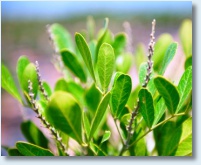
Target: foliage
87,110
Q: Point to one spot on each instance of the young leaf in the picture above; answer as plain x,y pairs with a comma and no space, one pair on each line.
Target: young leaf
160,49
99,114
30,74
61,37
64,113
105,64
185,86
106,136
185,144
14,152
28,149
133,97
120,93
92,97
171,50
33,134
22,63
85,52
142,72
124,62
188,62
169,92
73,64
47,88
119,43
7,83
185,34
146,107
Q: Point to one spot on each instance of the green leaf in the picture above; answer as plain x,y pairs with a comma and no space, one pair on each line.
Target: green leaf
8,83
28,149
64,113
171,50
188,62
185,34
30,74
22,63
99,114
33,134
119,43
106,136
185,86
142,72
159,110
86,124
124,62
92,47
92,97
61,37
73,64
160,49
105,64
185,144
133,97
146,107
14,152
120,93
169,92
47,88
85,52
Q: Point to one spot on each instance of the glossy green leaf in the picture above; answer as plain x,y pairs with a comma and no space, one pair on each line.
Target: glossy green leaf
22,63
92,97
33,134
30,74
61,37
106,136
146,107
169,92
185,34
86,124
185,144
90,27
159,110
119,43
85,52
28,149
142,72
120,93
140,148
14,152
185,86
47,88
65,114
133,97
73,64
188,62
124,62
92,47
160,49
171,51
105,64
8,83
75,89
99,114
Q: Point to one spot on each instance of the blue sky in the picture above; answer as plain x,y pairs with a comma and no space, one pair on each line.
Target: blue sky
52,10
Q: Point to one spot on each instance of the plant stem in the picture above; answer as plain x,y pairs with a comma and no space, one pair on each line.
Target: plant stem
122,140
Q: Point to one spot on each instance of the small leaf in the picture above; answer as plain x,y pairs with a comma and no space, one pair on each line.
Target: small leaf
185,34
28,149
92,97
169,92
30,74
119,43
105,64
185,86
64,113
14,152
61,37
160,49
142,72
188,62
133,97
8,83
171,50
73,64
146,107
33,134
85,52
106,136
120,93
124,62
99,114
47,88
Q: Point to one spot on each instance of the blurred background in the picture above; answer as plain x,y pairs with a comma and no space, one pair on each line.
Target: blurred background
23,32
